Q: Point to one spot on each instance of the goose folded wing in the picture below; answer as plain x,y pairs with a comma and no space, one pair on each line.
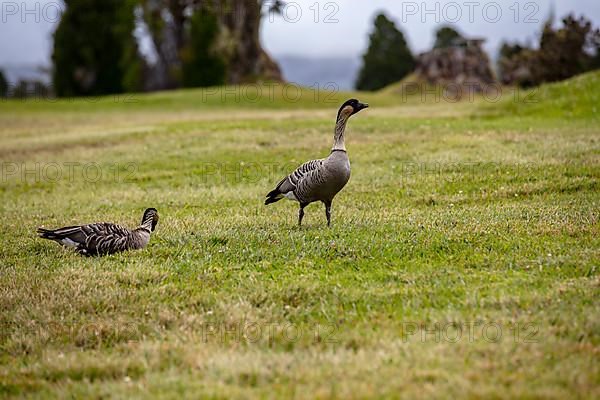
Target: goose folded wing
291,182
104,238
302,171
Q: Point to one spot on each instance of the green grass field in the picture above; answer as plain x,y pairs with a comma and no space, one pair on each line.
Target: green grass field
462,261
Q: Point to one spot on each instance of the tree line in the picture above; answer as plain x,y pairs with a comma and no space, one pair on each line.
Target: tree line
200,43
562,52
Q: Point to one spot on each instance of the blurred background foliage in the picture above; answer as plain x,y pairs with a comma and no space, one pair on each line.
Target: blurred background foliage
95,51
3,85
201,64
563,52
202,43
445,37
195,43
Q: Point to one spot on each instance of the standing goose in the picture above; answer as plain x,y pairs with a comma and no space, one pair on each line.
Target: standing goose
320,180
104,238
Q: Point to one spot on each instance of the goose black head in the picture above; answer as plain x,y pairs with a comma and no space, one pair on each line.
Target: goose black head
351,107
151,213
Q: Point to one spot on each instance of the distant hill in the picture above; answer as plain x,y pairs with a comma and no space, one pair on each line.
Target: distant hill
304,71
307,71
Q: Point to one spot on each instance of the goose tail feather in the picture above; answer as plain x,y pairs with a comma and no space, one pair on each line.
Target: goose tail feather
57,234
47,234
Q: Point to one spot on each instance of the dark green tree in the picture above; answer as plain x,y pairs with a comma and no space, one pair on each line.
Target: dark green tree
201,65
3,85
446,37
564,52
508,50
388,58
95,52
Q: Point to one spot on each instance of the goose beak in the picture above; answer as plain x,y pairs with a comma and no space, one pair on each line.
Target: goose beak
362,106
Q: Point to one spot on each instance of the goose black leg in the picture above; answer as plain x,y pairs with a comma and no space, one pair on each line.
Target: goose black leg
328,211
301,213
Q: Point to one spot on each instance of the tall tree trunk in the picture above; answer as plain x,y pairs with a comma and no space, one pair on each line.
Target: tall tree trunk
240,37
247,60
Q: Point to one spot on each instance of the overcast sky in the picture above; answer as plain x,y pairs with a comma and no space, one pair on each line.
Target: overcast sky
322,28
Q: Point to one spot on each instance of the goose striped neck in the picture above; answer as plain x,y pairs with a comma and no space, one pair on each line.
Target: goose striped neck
339,139
149,220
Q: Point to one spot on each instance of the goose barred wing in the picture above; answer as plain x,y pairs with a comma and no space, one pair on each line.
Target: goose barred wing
291,182
102,239
304,170
310,181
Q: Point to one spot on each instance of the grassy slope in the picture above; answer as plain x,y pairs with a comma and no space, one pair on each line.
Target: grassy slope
575,98
468,213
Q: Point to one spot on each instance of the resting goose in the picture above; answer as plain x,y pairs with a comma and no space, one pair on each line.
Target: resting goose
104,238
320,180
